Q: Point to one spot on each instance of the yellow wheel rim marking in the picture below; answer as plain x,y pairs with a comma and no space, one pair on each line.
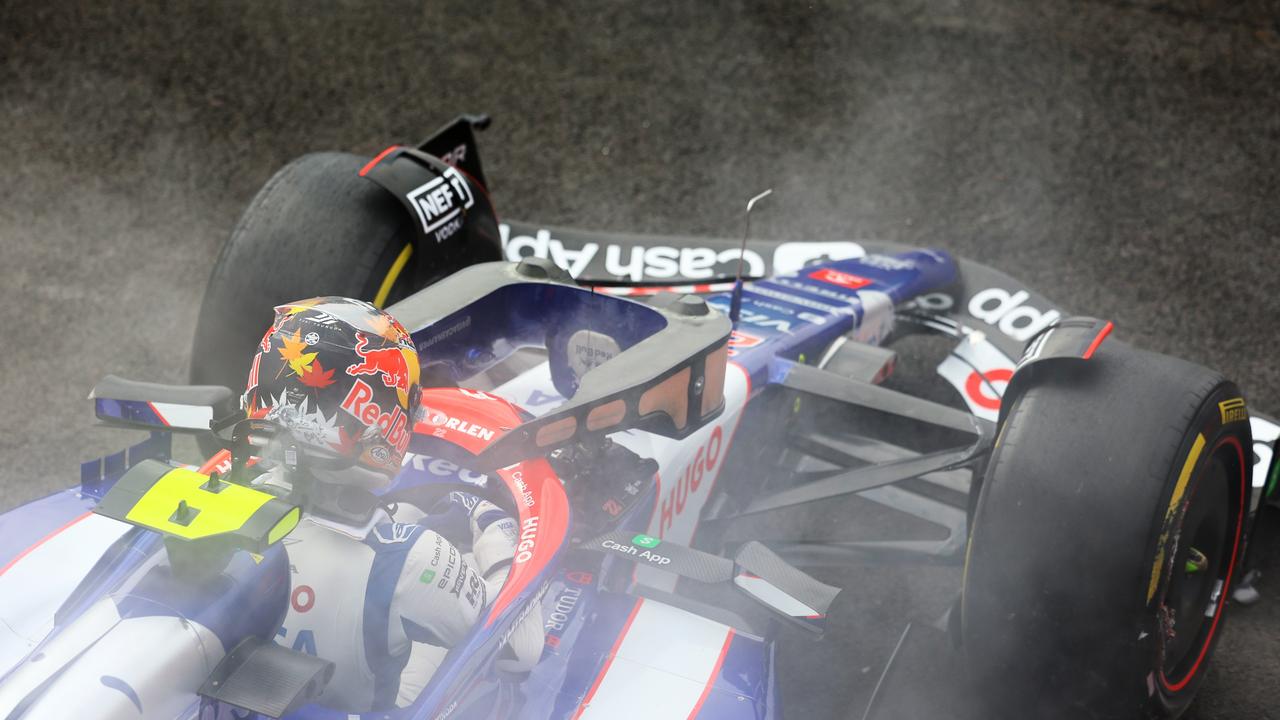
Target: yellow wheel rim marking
392,275
1178,491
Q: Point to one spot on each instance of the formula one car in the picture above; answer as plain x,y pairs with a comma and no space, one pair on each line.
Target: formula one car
635,409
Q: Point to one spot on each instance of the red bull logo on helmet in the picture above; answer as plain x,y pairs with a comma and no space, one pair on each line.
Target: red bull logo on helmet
397,366
394,425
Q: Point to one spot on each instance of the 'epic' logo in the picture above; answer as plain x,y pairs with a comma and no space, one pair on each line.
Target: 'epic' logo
393,424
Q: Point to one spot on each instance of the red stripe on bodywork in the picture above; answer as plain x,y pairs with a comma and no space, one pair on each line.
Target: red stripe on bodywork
1102,335
157,412
715,673
613,652
379,158
42,541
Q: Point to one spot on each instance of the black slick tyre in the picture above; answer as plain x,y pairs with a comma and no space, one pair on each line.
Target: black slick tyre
1106,538
316,228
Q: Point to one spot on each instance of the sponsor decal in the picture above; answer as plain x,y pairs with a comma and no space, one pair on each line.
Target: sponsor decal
979,371
1233,410
311,338
888,262
579,577
303,598
977,387
456,156
759,319
391,363
522,487
646,541
443,423
588,350
648,556
996,306
447,333
932,302
704,464
812,289
468,418
633,262
440,203
428,576
562,609
444,468
843,279
759,289
393,425
688,471
542,529
528,538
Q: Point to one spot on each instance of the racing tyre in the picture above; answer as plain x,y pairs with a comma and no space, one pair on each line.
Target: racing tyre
315,228
1106,538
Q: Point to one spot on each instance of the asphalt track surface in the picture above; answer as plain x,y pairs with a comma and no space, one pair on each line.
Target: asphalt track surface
1121,156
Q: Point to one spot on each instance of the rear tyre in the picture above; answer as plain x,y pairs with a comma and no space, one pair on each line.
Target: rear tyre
1106,538
315,228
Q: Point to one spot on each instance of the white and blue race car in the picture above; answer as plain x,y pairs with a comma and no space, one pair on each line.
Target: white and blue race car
632,407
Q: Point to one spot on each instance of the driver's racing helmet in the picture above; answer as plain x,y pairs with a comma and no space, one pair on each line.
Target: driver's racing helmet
342,377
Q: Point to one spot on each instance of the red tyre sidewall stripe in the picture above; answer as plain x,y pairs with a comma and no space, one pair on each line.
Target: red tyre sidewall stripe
377,159
1226,586
1102,335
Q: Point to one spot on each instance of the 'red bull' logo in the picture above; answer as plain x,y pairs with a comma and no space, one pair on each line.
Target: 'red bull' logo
393,425
389,362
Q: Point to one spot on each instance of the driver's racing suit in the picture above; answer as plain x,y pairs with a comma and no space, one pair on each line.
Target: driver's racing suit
385,601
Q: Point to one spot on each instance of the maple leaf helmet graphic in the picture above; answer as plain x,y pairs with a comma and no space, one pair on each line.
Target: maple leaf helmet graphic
342,377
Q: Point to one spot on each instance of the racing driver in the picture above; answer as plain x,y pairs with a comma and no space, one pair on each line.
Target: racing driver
381,591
